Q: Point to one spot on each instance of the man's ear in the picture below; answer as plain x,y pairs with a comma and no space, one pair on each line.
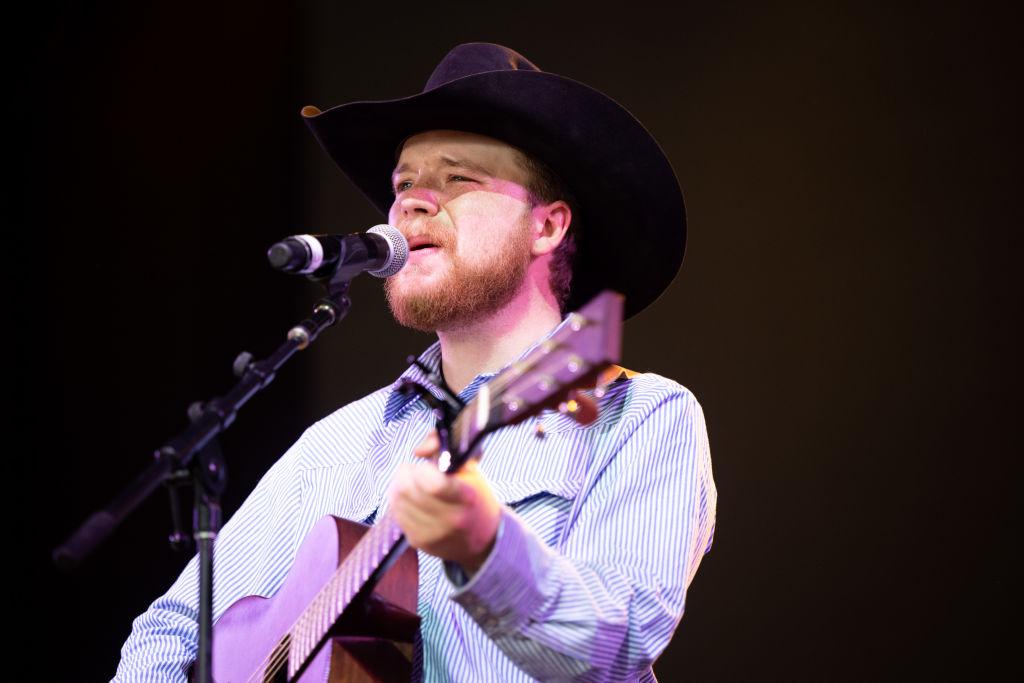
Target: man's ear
550,224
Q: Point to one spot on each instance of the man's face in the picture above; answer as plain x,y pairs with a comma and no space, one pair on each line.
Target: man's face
460,200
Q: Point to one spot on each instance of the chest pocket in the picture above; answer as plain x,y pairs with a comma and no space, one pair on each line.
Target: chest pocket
535,478
345,490
543,505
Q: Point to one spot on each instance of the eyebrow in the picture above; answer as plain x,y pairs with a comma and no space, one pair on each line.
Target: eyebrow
447,161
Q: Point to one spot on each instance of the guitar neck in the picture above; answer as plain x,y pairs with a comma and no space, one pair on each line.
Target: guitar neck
572,357
369,560
362,568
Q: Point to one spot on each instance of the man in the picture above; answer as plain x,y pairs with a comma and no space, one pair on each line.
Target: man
552,558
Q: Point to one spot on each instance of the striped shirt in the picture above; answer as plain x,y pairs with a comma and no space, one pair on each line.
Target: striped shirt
602,530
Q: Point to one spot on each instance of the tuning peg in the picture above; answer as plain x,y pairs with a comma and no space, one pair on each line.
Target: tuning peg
581,408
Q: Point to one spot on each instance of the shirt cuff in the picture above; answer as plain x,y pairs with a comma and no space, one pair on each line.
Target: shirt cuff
507,589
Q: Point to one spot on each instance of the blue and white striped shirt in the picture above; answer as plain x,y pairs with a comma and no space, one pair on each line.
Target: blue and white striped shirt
602,531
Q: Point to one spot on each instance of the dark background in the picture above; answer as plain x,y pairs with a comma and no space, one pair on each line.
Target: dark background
845,313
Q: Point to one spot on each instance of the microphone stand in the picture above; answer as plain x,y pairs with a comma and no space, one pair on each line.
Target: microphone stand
194,455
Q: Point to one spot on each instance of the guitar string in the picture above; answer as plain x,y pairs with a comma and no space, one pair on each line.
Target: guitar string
499,385
273,663
279,654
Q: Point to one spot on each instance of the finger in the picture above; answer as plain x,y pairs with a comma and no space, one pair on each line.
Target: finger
419,524
429,447
424,517
433,484
401,483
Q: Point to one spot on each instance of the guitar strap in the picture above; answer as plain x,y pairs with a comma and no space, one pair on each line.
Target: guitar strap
615,373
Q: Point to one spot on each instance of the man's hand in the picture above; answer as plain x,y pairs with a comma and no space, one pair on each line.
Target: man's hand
454,517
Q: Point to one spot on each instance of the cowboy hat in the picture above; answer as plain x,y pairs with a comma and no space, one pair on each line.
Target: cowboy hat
629,205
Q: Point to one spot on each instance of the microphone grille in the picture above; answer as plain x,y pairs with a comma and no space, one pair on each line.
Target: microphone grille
399,250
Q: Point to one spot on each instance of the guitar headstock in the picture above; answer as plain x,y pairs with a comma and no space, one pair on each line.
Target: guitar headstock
550,374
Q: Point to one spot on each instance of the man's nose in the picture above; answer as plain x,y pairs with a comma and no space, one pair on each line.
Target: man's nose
418,200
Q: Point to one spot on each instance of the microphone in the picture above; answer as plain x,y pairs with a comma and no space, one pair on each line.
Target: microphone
381,250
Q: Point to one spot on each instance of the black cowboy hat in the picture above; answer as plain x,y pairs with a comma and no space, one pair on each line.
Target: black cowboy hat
629,205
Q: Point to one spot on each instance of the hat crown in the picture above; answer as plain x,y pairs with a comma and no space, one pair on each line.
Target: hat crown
470,59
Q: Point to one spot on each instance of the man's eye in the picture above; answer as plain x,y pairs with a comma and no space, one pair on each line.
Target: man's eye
404,185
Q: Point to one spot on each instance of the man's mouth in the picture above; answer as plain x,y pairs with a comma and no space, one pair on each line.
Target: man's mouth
422,247
421,242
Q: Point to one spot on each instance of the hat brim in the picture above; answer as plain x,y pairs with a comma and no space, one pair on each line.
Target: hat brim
632,232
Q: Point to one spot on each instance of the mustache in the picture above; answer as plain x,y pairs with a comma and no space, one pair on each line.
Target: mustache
437,236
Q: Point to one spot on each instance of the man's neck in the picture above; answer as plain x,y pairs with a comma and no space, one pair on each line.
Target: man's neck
492,343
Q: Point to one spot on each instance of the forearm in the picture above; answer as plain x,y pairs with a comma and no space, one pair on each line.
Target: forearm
601,599
559,619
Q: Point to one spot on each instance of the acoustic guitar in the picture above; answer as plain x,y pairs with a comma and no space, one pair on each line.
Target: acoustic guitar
347,611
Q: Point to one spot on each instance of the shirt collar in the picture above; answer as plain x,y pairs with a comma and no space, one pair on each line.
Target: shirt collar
397,403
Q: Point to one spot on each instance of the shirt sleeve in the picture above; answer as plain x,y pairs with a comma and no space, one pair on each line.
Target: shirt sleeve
604,605
252,555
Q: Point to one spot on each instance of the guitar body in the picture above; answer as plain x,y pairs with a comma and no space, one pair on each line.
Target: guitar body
371,641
